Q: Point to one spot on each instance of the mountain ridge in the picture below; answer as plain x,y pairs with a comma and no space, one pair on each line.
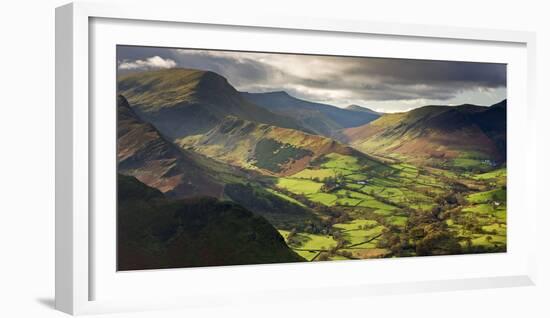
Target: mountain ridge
181,102
436,133
322,119
357,108
252,145
142,151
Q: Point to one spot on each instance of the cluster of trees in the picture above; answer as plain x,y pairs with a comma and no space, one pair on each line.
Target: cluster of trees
340,239
293,239
428,234
333,183
273,155
327,255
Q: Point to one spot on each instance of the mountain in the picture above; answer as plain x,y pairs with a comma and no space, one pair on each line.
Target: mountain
458,136
271,150
357,108
322,119
155,232
143,152
181,102
493,123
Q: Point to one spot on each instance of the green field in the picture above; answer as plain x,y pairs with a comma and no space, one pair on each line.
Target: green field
497,195
356,225
383,197
299,186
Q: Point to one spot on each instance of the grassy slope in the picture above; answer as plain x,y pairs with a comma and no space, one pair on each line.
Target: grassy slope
143,152
456,137
154,232
269,149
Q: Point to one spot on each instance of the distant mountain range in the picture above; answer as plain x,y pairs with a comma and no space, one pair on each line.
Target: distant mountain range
322,119
434,134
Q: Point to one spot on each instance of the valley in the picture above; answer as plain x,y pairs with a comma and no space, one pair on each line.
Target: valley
333,183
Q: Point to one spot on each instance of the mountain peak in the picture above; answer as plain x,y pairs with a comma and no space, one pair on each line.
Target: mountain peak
358,108
187,101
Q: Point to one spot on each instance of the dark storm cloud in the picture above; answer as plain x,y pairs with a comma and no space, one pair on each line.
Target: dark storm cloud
329,78
404,72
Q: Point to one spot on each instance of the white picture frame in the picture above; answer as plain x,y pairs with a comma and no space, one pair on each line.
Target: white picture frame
76,145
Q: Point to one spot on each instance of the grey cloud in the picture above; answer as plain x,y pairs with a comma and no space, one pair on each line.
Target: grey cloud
330,78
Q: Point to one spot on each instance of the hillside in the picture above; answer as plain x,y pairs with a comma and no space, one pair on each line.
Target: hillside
181,102
326,120
493,123
459,136
268,149
155,232
144,153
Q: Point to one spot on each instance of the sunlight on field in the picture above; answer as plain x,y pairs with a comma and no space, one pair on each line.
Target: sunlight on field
342,182
499,173
341,161
487,196
324,198
356,224
300,186
320,174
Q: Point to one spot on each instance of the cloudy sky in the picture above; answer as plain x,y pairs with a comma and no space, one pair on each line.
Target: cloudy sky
387,85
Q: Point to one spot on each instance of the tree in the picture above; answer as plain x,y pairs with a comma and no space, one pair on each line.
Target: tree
323,257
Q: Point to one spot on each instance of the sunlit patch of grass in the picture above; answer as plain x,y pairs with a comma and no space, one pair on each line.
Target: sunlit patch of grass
479,208
300,186
324,198
339,161
398,220
320,174
487,196
355,224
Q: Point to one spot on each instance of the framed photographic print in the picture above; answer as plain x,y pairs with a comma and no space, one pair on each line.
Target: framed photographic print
199,155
